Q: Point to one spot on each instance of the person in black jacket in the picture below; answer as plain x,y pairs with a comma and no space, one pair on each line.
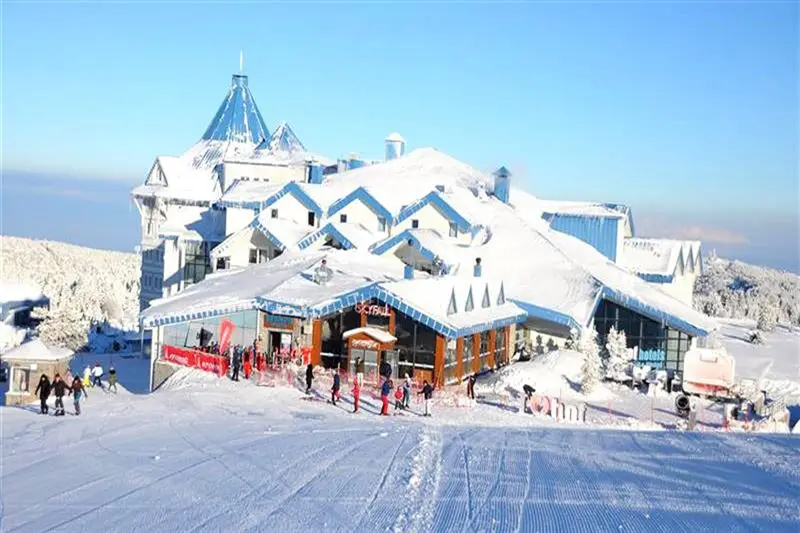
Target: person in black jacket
43,390
471,387
59,389
526,403
427,392
335,388
237,363
309,377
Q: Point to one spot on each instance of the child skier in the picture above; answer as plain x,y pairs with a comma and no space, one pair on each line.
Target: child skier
87,376
427,392
398,399
59,388
407,392
386,388
43,390
356,394
112,379
335,389
78,391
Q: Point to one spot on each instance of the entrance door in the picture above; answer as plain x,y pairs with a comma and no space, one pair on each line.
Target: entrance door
391,357
370,358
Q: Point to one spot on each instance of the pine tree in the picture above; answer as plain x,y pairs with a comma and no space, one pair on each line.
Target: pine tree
767,315
619,355
592,368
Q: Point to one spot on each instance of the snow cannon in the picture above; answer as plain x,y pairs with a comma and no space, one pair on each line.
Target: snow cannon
682,406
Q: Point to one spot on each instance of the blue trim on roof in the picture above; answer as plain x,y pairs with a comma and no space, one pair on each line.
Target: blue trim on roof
548,315
196,315
656,278
238,116
404,236
361,194
295,190
599,232
441,205
327,230
275,241
652,312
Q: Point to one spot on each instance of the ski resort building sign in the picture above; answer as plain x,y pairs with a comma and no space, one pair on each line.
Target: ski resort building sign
373,309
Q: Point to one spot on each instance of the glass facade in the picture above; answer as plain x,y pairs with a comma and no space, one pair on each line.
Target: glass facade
187,334
197,261
658,345
416,344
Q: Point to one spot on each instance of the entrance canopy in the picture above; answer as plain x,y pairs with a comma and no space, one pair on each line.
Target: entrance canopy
375,333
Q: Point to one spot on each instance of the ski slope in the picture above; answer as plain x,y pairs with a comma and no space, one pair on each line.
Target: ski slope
209,455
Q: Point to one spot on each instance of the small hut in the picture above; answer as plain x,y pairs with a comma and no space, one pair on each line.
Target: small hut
26,363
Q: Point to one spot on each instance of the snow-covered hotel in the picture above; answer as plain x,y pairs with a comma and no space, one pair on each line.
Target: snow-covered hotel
417,258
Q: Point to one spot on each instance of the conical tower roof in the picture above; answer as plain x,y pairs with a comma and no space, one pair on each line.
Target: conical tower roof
238,118
283,139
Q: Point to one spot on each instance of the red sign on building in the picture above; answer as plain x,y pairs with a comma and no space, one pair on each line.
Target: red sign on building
194,359
368,308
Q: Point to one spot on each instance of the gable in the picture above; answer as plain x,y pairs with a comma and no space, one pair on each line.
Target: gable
486,302
452,308
156,175
438,204
470,304
366,199
501,296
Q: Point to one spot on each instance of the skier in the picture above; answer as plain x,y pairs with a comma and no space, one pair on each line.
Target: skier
59,388
335,389
427,392
356,393
87,376
398,399
386,388
43,390
248,366
407,392
78,391
471,387
309,377
528,396
97,374
236,363
112,379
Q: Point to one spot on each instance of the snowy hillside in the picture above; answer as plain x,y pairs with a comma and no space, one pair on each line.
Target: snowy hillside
82,283
732,289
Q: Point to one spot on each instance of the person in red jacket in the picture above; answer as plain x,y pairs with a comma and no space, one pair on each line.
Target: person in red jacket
356,394
248,365
398,399
386,388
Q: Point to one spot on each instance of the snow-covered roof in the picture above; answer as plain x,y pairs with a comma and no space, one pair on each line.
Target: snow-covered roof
395,137
282,233
659,257
283,139
238,118
349,235
246,193
378,334
36,350
595,209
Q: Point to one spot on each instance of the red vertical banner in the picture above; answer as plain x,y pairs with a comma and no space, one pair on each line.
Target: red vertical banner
225,334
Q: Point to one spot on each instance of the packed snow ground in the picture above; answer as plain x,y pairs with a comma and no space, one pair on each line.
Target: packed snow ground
204,454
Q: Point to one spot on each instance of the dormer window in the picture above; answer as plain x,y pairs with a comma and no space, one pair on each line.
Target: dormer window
381,224
453,229
470,304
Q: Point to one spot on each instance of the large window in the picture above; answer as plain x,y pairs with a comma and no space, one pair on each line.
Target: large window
416,344
658,346
187,334
499,346
198,261
450,362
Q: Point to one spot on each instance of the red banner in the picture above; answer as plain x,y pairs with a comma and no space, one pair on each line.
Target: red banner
193,359
225,333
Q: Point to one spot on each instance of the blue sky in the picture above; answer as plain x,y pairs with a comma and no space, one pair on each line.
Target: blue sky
686,112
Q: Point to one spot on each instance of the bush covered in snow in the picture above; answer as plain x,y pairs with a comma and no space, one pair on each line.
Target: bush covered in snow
592,368
83,284
732,289
618,355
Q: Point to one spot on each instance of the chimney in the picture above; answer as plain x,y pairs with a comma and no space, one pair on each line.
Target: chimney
477,270
408,270
314,173
502,184
395,146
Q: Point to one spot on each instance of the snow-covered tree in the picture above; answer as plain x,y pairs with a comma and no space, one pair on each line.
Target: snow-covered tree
619,355
767,315
592,368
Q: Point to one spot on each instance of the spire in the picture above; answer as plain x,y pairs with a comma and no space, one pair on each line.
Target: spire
241,62
283,139
238,118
